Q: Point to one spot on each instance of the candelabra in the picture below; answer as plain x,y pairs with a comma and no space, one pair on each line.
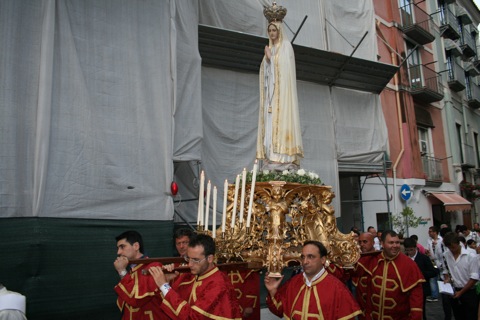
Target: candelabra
284,216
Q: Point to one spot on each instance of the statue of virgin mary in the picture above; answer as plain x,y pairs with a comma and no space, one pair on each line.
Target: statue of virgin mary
279,141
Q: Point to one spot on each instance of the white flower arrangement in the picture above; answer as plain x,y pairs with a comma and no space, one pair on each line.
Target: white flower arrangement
295,176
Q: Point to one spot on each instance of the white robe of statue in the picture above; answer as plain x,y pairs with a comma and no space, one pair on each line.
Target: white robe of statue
279,141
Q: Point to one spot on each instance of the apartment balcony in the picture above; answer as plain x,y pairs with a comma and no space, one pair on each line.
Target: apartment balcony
467,43
471,70
463,15
448,24
468,159
452,47
473,96
432,167
417,24
456,76
476,62
425,84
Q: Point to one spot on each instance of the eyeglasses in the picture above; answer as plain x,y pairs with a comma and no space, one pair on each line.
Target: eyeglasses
193,260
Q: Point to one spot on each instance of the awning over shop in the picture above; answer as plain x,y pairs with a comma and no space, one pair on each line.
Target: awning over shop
452,201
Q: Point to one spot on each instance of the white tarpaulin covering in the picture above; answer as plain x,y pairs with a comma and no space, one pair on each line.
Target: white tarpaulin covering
100,97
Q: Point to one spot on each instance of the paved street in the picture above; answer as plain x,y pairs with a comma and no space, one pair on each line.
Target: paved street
435,310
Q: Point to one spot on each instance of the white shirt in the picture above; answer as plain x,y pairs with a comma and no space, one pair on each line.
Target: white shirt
436,250
462,269
318,275
376,243
12,305
472,235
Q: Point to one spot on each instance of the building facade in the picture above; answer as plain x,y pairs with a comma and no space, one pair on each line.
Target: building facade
431,110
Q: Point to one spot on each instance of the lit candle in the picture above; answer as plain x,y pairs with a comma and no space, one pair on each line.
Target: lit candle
200,199
214,213
235,200
207,206
252,194
224,212
242,198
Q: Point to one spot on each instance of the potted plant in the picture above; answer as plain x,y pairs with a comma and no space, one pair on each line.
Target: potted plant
469,190
404,220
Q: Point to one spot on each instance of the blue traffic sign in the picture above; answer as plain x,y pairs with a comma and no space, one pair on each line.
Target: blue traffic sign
405,192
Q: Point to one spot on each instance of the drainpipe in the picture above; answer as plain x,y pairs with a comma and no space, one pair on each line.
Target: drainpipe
400,132
393,55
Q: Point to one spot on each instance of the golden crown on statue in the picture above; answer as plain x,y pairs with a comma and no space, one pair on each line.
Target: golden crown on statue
274,12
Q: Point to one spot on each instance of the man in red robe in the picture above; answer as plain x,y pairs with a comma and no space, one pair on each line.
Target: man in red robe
204,293
247,288
366,243
314,292
138,295
395,282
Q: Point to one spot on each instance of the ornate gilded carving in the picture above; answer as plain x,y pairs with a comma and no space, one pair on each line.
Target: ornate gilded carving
284,216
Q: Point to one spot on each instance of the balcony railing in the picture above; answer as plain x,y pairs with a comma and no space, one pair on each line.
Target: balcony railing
456,75
473,95
417,24
425,84
467,43
448,23
432,167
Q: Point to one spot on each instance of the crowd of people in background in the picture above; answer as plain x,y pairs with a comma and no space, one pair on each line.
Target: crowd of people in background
394,278
450,256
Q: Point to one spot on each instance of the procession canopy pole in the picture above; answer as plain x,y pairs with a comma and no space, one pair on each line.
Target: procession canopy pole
166,260
185,268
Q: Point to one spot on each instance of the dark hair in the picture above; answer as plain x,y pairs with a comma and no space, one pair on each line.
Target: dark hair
182,232
450,238
414,237
131,236
444,231
321,248
370,227
463,228
462,239
356,232
434,229
205,241
409,243
470,241
388,232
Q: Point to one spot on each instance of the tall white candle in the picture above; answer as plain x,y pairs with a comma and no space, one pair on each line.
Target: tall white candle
242,198
207,206
252,193
214,213
200,199
224,212
235,200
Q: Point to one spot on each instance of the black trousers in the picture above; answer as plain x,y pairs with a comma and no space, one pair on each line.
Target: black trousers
465,307
447,306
